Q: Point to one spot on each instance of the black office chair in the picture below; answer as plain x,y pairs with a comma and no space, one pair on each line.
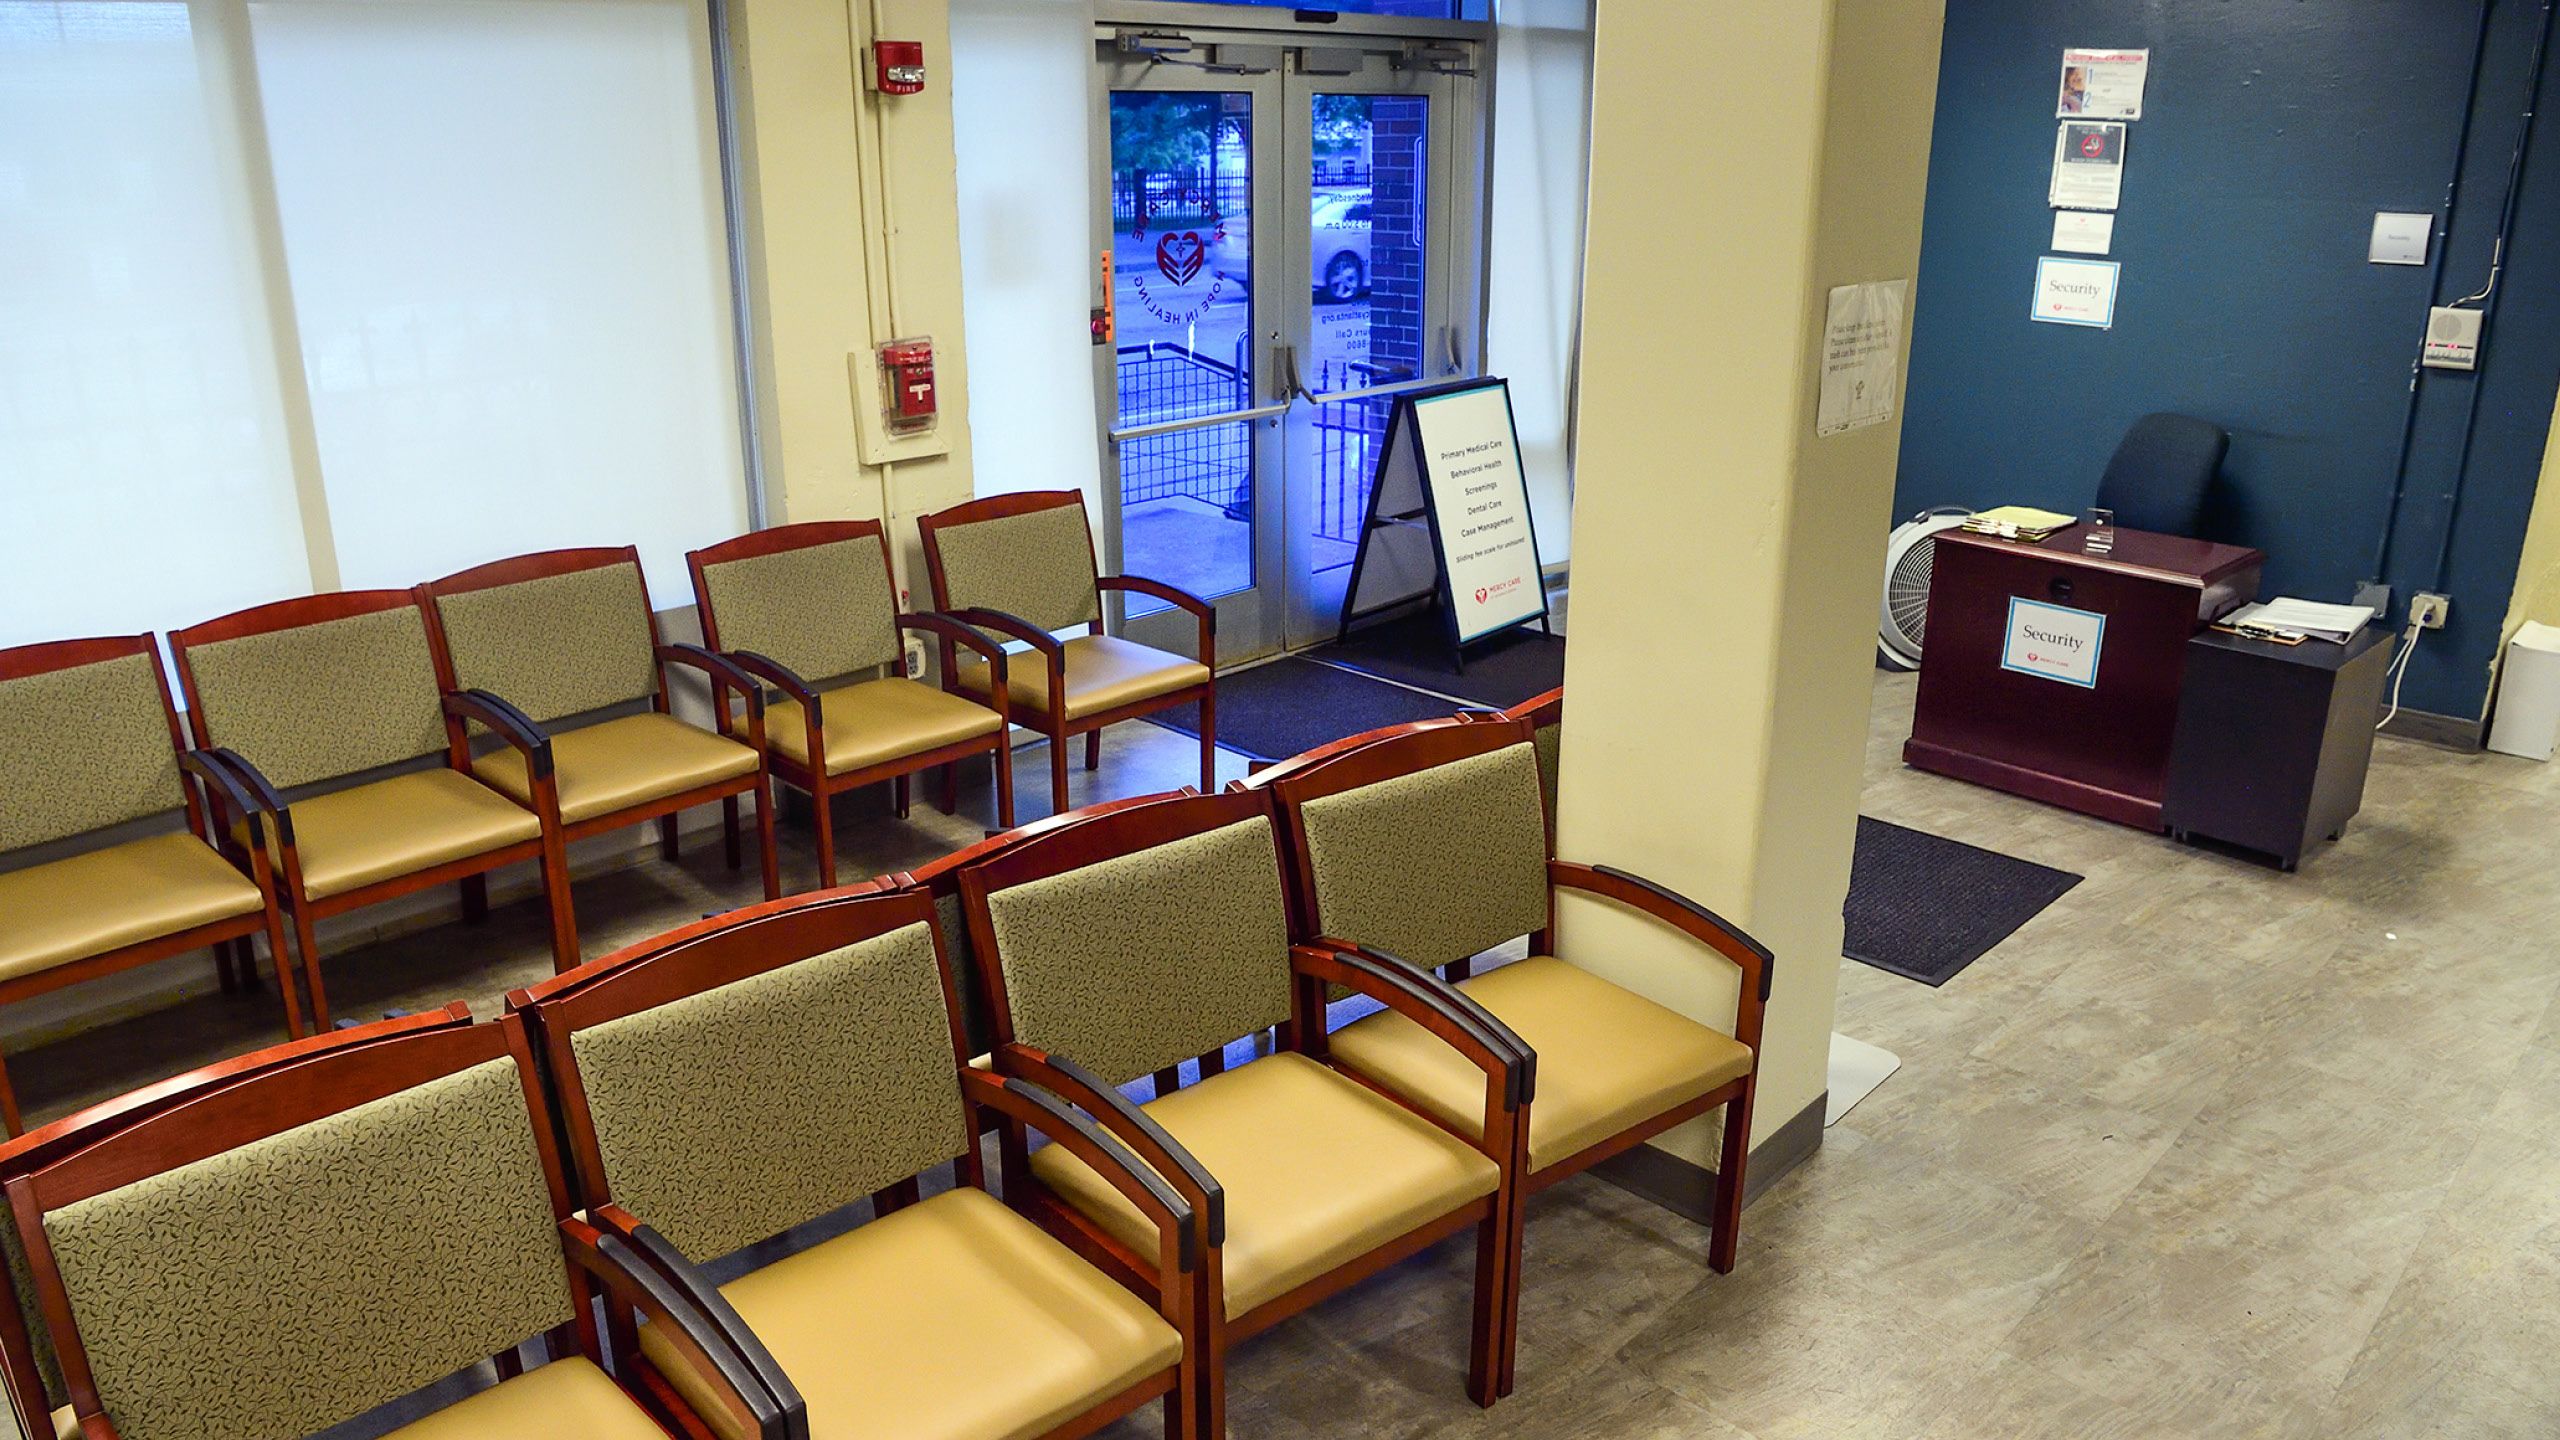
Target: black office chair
2158,478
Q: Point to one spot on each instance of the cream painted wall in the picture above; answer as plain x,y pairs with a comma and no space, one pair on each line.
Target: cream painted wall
2537,594
853,238
1727,562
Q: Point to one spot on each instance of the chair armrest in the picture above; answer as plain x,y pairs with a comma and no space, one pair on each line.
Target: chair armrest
1134,1127
720,668
752,667
507,722
1154,1196
730,1351
1432,1003
1675,910
950,627
1014,626
235,792
1170,594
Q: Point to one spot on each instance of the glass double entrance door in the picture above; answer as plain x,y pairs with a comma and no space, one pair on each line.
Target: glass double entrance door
1286,223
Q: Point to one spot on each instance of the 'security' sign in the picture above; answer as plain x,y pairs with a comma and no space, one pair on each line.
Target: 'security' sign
2054,643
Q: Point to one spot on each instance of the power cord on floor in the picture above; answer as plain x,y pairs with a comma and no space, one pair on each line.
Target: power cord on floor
2399,672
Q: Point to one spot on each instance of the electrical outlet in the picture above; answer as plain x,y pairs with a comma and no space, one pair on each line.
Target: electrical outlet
2427,611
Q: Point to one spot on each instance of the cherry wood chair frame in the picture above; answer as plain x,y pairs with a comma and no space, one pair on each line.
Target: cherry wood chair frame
666,809
724,949
254,799
1052,652
29,1404
1509,1070
267,1093
226,938
1408,749
814,779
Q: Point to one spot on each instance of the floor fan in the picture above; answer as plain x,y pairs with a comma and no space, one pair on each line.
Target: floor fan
1909,556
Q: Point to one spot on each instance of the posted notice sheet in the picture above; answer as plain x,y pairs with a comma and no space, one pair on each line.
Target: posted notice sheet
1861,356
2103,84
2088,165
2077,292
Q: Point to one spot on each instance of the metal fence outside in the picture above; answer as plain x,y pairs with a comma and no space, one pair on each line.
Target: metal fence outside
1214,464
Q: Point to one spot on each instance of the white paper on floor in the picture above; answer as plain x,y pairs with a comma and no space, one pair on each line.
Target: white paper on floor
1857,1068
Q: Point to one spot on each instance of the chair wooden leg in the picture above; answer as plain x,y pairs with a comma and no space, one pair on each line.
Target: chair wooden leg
224,972
667,837
1058,772
736,853
898,796
564,915
307,946
823,816
767,853
1490,1338
1209,741
1210,1306
9,1103
1004,783
951,787
1093,749
1730,1170
1517,1263
284,972
475,899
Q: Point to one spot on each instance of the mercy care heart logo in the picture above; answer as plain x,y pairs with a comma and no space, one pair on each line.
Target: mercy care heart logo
1178,257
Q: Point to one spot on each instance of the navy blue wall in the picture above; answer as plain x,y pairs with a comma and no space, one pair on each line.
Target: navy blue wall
2274,130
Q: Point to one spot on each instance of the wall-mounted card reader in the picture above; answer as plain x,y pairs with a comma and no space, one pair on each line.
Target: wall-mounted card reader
2453,339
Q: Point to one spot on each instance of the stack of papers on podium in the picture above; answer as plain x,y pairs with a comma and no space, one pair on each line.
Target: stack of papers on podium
2018,522
2302,617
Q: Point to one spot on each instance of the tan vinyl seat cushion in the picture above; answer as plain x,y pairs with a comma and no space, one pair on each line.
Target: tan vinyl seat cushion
388,828
1104,672
1607,1059
564,1398
89,904
954,1319
616,764
873,722
1318,1170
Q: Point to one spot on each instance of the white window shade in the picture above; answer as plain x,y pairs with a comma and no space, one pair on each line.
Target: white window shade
144,482
503,229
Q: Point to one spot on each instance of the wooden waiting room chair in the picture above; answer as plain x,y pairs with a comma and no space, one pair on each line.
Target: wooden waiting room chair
939,879
811,610
89,742
743,1076
1431,846
1352,808
1125,944
1022,565
566,640
1544,717
317,695
38,1399
283,1252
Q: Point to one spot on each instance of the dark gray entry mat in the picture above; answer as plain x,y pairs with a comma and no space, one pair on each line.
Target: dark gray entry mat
1924,907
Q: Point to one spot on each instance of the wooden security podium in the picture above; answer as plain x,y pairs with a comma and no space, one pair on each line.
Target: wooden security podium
2102,747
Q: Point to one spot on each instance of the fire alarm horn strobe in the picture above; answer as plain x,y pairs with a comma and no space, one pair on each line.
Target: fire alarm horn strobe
898,67
2453,339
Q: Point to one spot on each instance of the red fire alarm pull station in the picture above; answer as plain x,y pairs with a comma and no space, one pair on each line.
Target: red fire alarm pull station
898,66
906,373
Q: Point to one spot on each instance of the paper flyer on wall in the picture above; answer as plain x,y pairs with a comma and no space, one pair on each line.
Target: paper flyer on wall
2103,84
1861,356
2088,165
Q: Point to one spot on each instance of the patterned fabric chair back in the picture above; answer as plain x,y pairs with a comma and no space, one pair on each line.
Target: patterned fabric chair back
824,610
1134,962
1436,865
729,1114
278,1287
555,645
1037,564
311,702
85,747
